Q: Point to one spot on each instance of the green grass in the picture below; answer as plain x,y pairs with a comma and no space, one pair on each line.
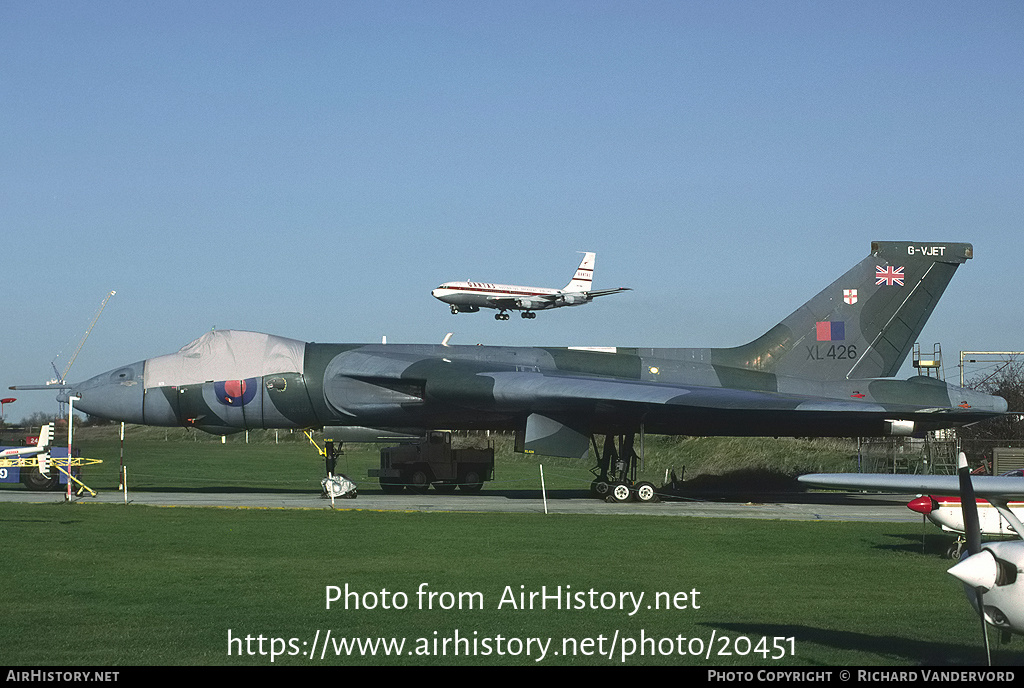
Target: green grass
143,585
180,459
128,585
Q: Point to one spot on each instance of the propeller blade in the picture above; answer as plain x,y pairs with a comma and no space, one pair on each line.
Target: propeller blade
972,530
969,505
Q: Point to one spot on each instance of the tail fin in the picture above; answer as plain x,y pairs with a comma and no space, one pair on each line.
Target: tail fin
584,277
864,324
45,435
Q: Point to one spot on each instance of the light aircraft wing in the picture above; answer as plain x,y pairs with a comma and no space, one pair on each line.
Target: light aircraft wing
989,570
984,485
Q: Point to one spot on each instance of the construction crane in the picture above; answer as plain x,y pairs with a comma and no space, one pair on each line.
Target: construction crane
62,377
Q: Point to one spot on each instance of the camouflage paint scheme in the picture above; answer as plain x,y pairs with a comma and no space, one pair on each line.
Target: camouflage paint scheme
823,371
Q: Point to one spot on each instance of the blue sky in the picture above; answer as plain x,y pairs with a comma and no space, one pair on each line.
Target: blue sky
314,169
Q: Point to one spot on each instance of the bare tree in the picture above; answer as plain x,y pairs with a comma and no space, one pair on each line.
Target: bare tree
1008,383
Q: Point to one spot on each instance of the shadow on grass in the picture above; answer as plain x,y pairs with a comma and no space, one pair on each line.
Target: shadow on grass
928,543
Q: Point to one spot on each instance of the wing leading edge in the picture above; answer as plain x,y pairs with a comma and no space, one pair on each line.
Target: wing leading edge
984,485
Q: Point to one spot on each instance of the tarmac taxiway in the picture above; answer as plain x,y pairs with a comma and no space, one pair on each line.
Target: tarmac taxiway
812,506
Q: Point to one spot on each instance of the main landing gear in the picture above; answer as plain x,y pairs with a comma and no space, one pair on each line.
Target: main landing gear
527,315
615,472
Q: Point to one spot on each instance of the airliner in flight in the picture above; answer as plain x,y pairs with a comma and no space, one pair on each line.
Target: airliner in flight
470,297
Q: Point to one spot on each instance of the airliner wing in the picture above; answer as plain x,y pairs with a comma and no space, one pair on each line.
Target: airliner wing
504,301
513,301
605,292
984,485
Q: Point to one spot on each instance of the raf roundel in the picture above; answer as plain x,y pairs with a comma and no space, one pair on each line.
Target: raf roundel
236,392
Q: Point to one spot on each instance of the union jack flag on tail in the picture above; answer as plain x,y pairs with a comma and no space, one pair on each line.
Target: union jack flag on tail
888,275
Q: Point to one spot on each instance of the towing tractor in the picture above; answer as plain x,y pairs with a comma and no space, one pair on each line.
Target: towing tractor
433,461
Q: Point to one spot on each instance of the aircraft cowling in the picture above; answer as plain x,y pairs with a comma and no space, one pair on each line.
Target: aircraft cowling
995,569
923,505
529,304
571,299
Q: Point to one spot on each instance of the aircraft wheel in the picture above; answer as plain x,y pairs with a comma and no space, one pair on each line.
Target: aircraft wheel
471,482
620,492
418,482
37,482
955,550
645,492
455,310
600,488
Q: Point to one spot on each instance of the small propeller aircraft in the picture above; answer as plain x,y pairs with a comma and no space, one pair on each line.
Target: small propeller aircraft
40,451
989,571
947,513
470,297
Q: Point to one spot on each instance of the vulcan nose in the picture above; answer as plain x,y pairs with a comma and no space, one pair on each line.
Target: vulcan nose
114,395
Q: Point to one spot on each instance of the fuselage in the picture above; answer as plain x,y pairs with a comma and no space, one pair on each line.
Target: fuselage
947,513
228,381
476,295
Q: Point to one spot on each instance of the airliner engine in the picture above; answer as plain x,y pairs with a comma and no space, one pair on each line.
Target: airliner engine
571,299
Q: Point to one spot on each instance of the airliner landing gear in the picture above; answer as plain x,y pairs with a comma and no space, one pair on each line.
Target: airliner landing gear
501,316
616,472
455,309
528,315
